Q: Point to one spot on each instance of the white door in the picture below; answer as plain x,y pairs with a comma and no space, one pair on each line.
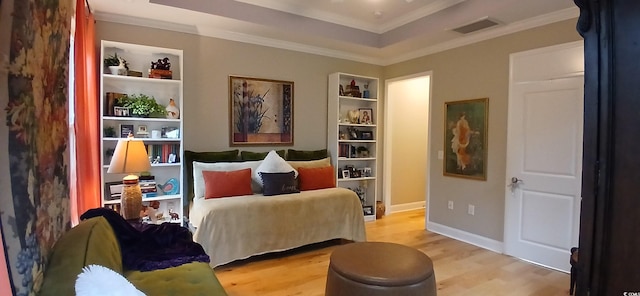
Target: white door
544,167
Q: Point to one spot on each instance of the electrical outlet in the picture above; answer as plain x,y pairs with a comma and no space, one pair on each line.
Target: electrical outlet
450,205
471,210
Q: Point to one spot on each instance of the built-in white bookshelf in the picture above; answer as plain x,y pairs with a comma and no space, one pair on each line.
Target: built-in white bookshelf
168,131
352,135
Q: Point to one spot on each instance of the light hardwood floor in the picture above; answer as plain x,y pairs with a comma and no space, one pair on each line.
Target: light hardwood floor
460,268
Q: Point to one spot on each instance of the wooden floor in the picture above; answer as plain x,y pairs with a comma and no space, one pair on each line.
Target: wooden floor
460,268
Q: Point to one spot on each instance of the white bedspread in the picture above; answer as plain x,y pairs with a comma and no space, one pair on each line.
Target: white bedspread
238,227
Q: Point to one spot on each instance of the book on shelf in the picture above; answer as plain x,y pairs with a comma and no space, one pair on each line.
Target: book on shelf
346,150
163,153
148,184
149,194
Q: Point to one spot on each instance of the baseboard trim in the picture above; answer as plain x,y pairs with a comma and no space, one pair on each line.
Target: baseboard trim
467,237
406,207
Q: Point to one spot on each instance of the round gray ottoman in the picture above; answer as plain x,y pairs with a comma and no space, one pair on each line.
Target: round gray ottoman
377,268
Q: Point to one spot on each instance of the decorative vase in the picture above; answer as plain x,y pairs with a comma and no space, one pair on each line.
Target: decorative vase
365,93
380,208
173,112
117,70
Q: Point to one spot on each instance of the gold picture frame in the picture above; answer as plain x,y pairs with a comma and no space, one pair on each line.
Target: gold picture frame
260,111
466,130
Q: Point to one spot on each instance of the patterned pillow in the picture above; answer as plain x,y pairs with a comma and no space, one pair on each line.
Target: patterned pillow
278,183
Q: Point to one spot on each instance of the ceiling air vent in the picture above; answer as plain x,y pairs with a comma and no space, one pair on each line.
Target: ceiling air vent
477,25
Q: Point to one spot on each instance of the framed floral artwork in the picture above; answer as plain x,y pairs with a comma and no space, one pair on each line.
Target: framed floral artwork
260,111
465,140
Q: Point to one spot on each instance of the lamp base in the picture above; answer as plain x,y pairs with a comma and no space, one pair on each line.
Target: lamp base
131,199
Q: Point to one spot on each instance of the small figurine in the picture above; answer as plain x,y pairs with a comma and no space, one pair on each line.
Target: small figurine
161,64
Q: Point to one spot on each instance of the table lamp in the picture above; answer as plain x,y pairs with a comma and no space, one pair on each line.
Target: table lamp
130,157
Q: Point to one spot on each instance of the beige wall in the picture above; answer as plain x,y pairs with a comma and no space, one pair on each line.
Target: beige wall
476,71
209,61
473,71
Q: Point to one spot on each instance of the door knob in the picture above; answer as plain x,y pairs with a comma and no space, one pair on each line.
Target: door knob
514,183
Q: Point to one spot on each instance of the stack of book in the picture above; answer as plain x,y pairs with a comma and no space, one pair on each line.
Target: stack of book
148,186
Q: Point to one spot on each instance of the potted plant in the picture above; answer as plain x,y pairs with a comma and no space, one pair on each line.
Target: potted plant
109,132
117,65
141,105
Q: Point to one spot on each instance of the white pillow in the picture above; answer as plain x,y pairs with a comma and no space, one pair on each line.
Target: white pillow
272,163
98,280
198,179
320,163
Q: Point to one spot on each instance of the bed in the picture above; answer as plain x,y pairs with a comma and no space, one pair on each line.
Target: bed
240,227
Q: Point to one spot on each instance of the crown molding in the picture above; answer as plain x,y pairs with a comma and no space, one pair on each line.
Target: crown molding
553,17
530,23
234,36
144,22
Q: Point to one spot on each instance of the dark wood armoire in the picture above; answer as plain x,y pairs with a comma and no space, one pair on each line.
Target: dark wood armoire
609,262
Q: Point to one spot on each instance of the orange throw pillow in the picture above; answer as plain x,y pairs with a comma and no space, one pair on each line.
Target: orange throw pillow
227,183
316,178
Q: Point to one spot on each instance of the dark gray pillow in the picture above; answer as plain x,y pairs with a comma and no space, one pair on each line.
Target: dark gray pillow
278,183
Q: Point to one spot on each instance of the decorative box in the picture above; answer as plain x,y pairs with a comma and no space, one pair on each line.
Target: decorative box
162,74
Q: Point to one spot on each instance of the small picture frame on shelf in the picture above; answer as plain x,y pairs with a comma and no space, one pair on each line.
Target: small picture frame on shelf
345,174
366,115
143,132
354,173
125,130
121,111
366,171
366,135
113,190
368,210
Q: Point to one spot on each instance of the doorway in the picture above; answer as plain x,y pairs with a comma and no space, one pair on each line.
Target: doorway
544,155
407,103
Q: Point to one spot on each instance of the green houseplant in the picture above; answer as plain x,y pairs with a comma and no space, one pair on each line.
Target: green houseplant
141,105
116,63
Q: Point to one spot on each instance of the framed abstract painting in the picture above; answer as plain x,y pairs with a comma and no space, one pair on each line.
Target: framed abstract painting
465,151
260,111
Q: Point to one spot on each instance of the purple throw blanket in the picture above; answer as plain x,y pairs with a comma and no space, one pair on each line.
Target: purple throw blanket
149,247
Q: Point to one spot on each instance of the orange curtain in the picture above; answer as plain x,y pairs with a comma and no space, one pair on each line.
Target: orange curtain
5,284
85,193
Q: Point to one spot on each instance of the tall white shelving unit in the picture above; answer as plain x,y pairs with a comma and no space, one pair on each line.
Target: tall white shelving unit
139,58
347,138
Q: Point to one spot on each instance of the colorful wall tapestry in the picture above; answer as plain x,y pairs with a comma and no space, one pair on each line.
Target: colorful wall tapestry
35,193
